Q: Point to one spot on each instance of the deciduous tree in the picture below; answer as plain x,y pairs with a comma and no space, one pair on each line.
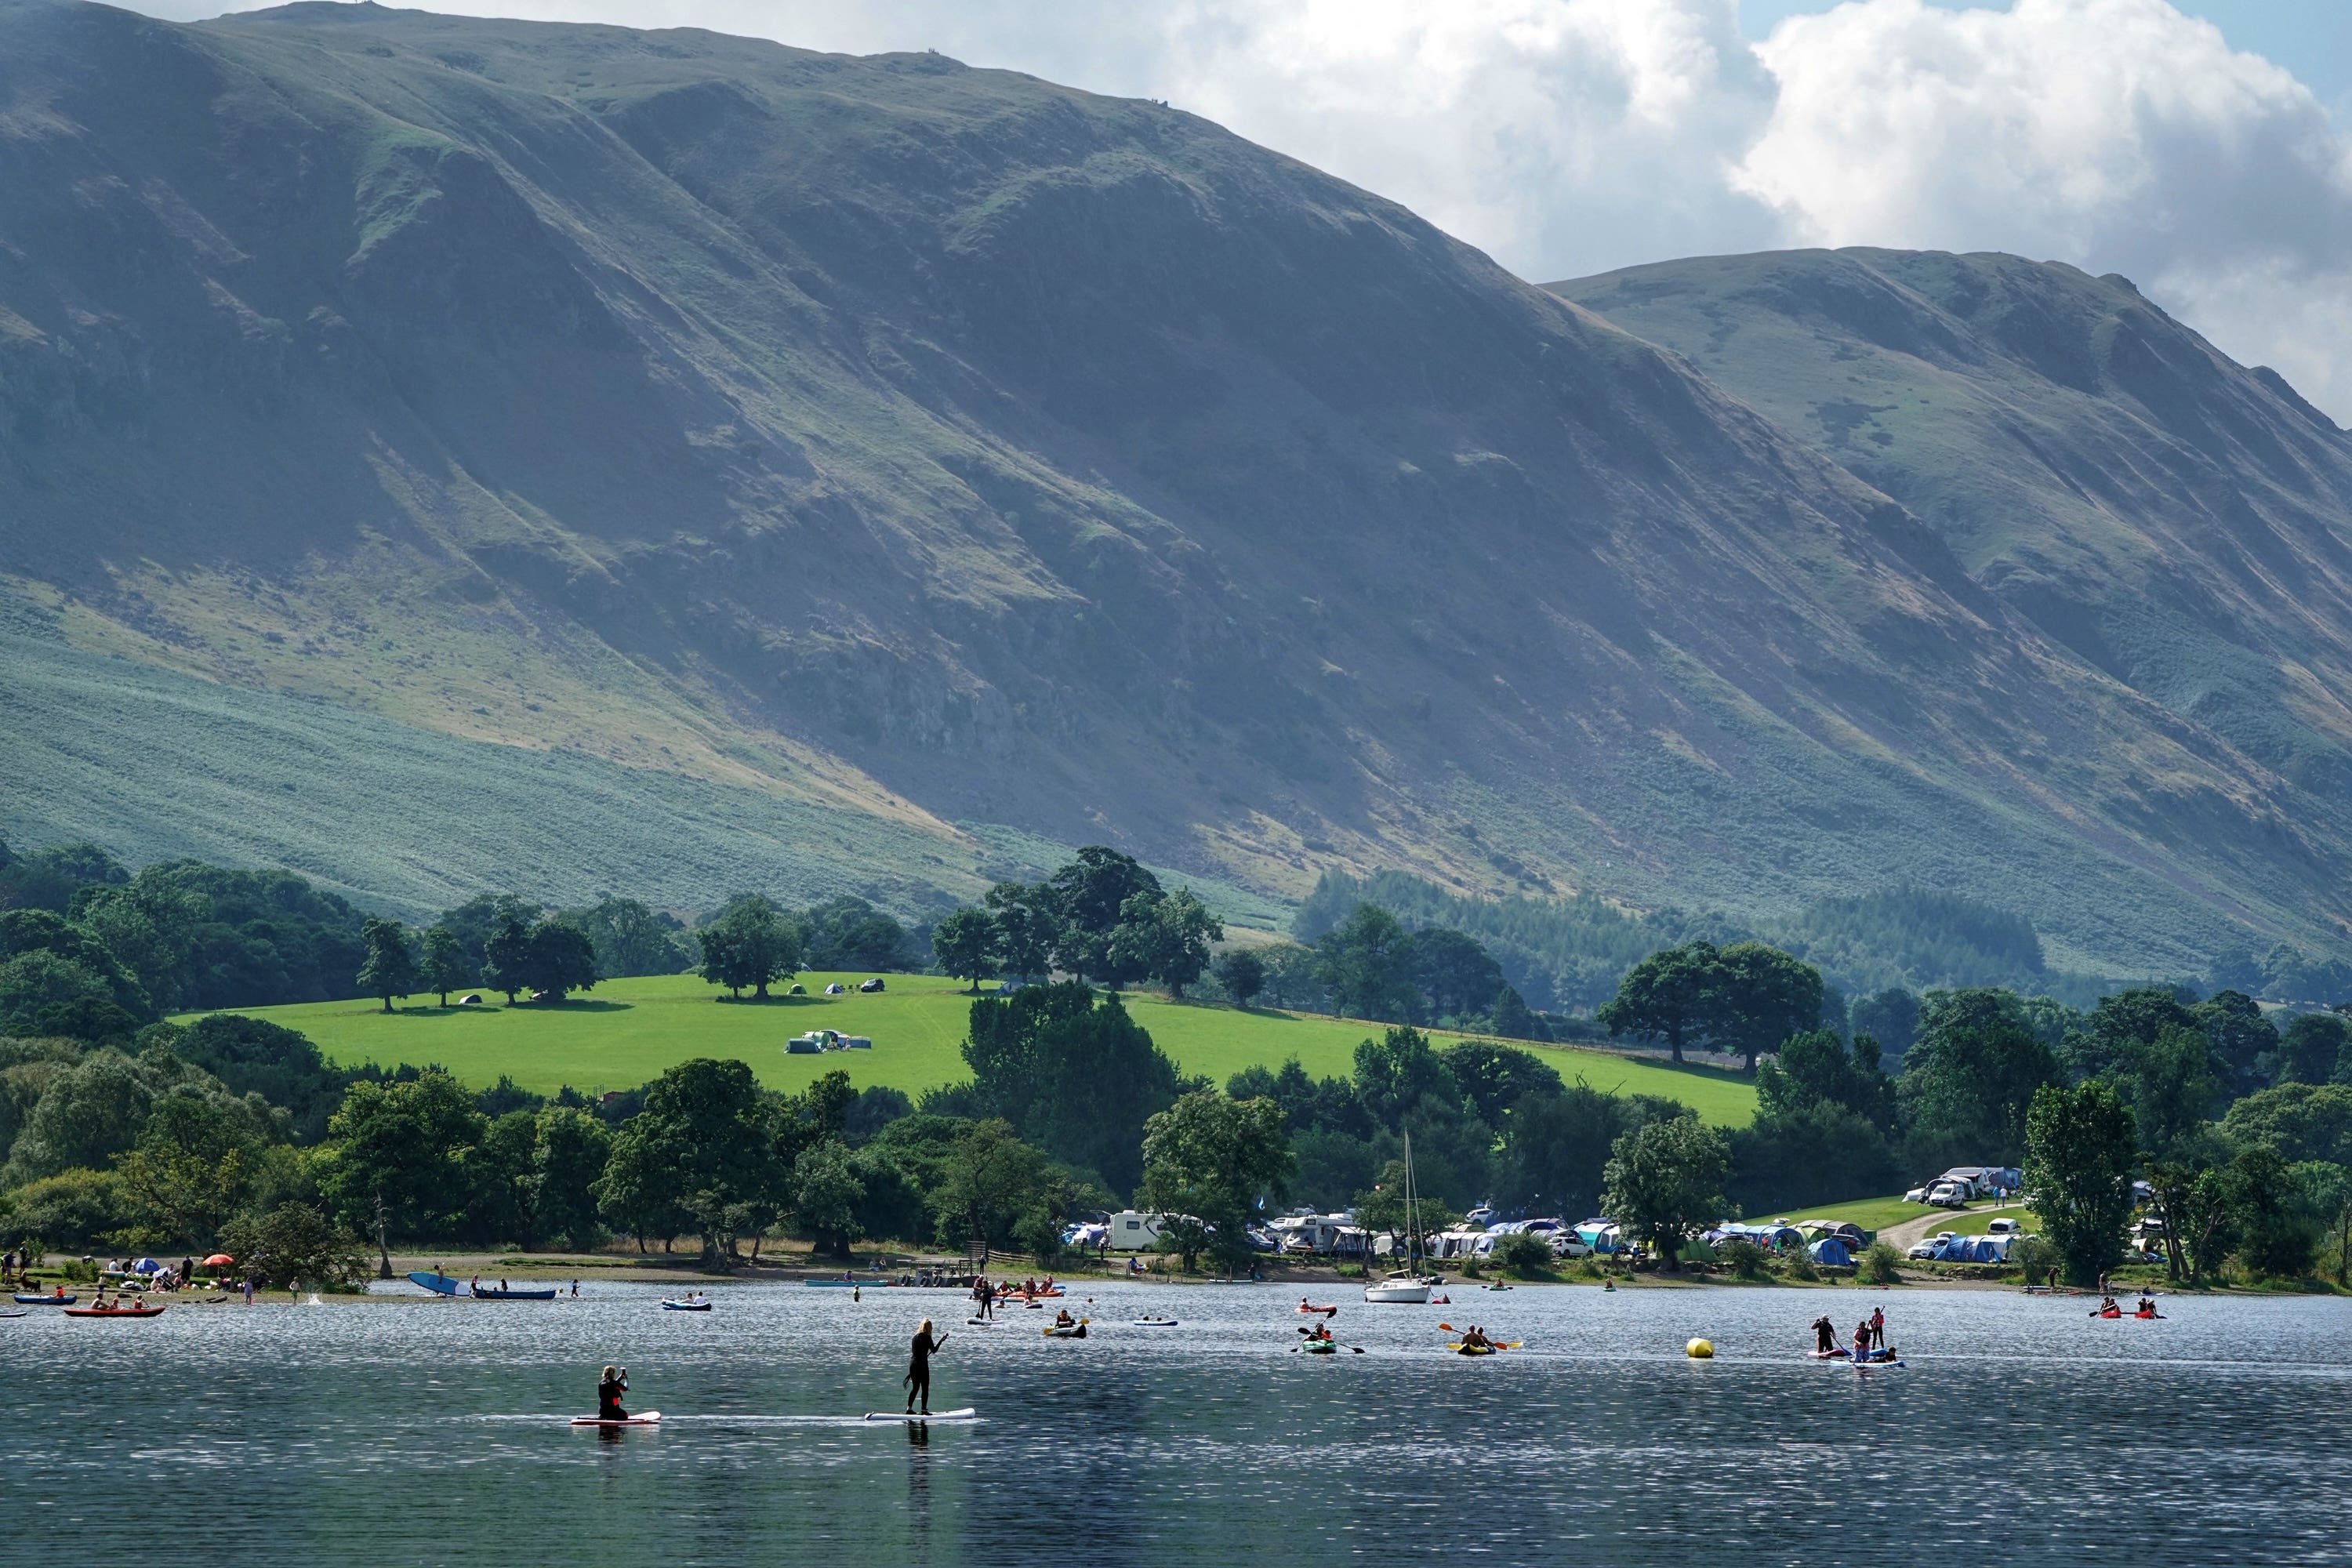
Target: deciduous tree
389,970
2080,1147
1664,1183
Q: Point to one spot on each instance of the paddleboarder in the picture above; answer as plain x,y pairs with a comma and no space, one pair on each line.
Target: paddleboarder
1879,1328
609,1389
1825,1335
919,1366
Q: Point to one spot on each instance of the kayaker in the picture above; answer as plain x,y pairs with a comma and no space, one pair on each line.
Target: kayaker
1825,1335
1474,1338
919,1366
1879,1328
2146,1308
609,1389
1062,1319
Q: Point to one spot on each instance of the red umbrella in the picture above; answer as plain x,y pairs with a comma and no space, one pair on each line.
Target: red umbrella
218,1260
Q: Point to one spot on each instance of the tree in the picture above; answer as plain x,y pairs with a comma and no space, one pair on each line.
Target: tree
989,1176
188,1173
1556,1146
825,1194
1208,1164
1028,927
2325,1192
1243,975
1456,975
292,1242
396,1157
1664,1183
1070,1073
2123,1024
630,938
1167,935
2171,1083
1816,1065
570,1148
506,953
444,967
1367,962
1760,997
1089,895
560,959
1971,1075
2275,1236
390,968
749,942
965,943
1495,1077
478,918
1665,997
704,1144
2242,1038
2080,1146
2311,1049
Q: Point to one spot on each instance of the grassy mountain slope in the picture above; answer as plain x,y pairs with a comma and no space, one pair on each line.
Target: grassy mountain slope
2178,520
941,445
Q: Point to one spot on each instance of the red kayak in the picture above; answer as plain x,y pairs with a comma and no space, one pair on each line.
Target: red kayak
114,1311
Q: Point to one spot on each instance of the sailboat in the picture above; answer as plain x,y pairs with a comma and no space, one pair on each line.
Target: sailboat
1405,1287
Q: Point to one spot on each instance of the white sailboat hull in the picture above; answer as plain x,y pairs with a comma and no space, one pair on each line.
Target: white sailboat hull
1410,1293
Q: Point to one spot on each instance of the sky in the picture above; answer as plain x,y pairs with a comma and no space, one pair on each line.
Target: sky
2202,148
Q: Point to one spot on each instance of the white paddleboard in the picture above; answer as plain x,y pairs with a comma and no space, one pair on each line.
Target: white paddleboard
966,1414
650,1418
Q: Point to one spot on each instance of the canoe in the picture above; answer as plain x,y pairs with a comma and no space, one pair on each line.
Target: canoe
650,1418
36,1300
114,1311
686,1306
492,1293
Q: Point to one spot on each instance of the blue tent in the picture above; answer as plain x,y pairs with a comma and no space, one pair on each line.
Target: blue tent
1829,1250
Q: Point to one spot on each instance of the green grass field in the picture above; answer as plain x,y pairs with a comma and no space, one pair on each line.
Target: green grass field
1871,1214
627,1031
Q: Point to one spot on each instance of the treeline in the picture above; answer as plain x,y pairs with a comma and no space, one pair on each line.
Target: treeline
1568,955
89,949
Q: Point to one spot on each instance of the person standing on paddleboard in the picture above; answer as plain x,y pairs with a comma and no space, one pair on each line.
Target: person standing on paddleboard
609,1389
1879,1328
919,1367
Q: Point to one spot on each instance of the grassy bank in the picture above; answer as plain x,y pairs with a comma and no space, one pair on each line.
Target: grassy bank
626,1031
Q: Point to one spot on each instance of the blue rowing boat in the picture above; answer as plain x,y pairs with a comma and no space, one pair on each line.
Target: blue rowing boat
442,1285
35,1299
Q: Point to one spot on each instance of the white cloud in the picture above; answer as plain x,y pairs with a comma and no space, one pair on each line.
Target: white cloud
1571,136
2117,134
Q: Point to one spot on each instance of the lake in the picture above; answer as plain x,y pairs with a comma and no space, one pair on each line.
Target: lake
2021,1431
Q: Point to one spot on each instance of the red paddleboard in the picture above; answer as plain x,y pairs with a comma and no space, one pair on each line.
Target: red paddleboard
650,1418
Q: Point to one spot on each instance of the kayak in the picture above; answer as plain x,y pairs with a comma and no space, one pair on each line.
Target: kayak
114,1311
1076,1331
1155,1322
966,1414
1319,1347
1327,1311
2147,1314
650,1418
36,1300
686,1306
2105,1313
1471,1349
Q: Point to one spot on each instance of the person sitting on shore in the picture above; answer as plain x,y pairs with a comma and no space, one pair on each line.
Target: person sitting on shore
609,1389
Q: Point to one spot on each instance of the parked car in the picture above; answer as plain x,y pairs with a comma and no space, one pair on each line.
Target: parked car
1948,1196
1932,1245
2005,1227
873,984
1566,1243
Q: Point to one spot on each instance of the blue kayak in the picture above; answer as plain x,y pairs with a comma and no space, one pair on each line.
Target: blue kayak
36,1300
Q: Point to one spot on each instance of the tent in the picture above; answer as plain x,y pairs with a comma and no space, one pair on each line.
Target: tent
1831,1251
146,1266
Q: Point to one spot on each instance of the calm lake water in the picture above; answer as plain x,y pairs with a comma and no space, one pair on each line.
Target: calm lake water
2021,1431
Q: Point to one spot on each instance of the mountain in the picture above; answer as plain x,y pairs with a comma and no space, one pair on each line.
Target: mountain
948,450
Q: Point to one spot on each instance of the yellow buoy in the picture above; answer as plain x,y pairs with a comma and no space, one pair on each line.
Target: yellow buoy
1699,1350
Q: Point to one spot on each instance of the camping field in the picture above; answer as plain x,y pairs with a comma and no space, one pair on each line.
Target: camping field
626,1031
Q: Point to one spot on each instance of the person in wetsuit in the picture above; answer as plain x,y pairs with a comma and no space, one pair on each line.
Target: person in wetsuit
1824,1335
609,1389
919,1366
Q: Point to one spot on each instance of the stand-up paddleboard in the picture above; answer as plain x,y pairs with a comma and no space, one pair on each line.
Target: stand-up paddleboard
650,1418
966,1414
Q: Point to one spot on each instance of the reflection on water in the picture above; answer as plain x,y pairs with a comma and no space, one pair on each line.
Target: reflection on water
2022,1430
